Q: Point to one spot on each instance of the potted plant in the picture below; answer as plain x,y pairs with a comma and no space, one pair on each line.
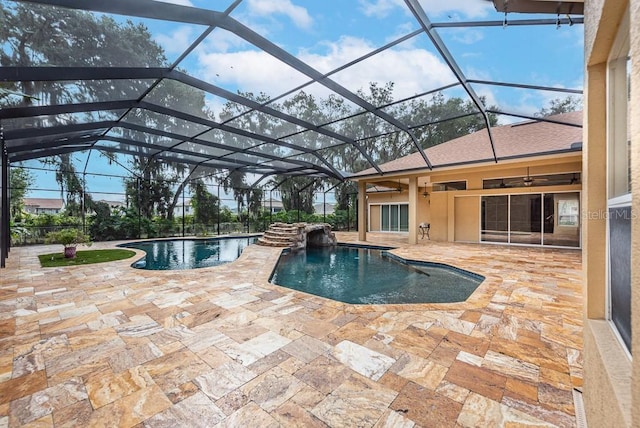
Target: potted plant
70,238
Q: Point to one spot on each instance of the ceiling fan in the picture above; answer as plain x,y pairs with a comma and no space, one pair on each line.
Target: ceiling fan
527,181
574,179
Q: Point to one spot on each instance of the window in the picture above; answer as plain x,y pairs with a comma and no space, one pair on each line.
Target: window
537,180
448,186
619,212
394,218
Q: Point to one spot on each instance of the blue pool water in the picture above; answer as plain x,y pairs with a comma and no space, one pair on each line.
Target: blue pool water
189,253
370,276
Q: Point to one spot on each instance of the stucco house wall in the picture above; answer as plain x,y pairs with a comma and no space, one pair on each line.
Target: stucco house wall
611,376
455,215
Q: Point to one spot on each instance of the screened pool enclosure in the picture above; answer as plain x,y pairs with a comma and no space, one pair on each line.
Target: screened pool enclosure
134,112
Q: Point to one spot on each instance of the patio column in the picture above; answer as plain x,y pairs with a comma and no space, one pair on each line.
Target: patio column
413,210
362,211
594,199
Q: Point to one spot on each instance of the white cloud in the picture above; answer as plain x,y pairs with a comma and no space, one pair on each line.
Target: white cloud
466,36
222,41
412,70
249,70
520,101
177,41
488,95
298,15
380,8
402,30
477,73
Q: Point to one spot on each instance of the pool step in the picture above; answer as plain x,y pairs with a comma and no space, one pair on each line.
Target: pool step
295,235
283,235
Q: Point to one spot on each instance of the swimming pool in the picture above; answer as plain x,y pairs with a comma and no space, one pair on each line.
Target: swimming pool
174,254
372,276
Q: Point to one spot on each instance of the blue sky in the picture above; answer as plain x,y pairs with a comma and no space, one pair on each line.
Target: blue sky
328,34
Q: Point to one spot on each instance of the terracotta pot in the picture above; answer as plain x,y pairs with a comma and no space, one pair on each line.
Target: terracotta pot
69,252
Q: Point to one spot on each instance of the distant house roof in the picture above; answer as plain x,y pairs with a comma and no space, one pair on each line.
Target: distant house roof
272,202
324,208
44,203
530,138
113,203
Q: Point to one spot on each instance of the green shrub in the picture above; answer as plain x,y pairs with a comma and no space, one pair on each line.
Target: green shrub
68,238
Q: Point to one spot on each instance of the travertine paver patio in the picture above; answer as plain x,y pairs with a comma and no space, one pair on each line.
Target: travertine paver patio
108,345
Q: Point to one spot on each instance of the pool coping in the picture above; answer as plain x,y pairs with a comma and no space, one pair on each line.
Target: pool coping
185,238
385,252
480,298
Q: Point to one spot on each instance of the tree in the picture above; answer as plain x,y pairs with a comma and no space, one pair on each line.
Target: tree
20,180
345,194
298,193
43,35
235,182
150,195
205,205
68,178
37,35
446,119
561,105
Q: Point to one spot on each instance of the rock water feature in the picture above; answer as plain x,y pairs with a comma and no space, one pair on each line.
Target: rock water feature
298,236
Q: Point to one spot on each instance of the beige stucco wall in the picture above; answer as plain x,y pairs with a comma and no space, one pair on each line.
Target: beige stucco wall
611,395
466,218
606,403
374,200
460,220
439,216
374,218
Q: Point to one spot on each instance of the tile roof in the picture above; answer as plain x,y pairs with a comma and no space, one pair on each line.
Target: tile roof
113,203
511,141
44,203
274,203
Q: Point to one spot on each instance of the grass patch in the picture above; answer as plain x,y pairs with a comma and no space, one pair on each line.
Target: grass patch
84,257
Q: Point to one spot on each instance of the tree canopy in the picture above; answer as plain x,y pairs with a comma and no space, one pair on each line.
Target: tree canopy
19,181
560,105
36,35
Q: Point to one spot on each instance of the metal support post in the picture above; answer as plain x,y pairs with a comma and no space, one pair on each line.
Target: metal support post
183,212
139,184
219,209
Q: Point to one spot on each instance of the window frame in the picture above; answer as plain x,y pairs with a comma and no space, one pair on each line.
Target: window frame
445,183
397,206
617,119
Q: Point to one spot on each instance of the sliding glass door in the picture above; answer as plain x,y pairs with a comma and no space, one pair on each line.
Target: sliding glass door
495,219
394,218
525,224
532,219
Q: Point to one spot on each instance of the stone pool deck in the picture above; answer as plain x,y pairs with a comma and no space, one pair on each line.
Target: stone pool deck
109,345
